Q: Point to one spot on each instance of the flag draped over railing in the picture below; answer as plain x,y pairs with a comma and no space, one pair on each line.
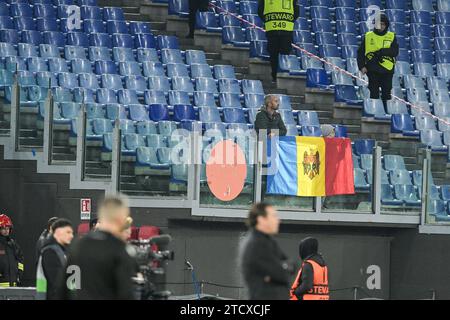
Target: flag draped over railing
310,167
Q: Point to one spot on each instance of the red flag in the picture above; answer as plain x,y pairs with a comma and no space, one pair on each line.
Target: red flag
338,167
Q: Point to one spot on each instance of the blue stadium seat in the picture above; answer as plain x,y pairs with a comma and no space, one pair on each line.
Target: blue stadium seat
113,13
171,56
21,10
289,64
302,37
44,10
288,117
394,162
253,100
325,38
224,71
433,139
115,111
204,99
229,100
360,179
442,109
229,86
12,36
48,51
308,118
443,6
321,25
235,36
4,9
139,113
396,107
442,56
422,56
140,27
234,115
425,122
387,196
80,39
14,63
346,94
84,95
36,64
111,81
438,210
24,23
25,50
400,176
407,193
363,146
183,84
445,192
46,79
93,26
206,85
209,114
248,7
177,70
7,49
374,108
151,68
443,70
106,96
366,161
144,40
159,83
99,54
91,12
117,27
105,67
439,96
254,19
156,140
228,20
147,54
74,52
68,80
201,71
179,7
167,42
166,127
88,80
55,38
6,22
123,54
311,131
207,21
178,97
402,123
123,40
127,97
317,78
46,24
417,95
195,57
81,66
100,40
423,69
130,68
26,78
258,49
252,86
183,112
136,83
154,97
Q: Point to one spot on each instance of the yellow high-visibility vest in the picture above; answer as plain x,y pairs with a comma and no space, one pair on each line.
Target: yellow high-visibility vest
374,42
279,15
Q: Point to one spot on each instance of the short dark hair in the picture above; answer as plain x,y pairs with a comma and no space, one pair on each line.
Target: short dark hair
92,223
257,210
61,223
50,222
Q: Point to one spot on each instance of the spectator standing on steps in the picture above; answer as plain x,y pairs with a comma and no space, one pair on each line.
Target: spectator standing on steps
194,6
278,17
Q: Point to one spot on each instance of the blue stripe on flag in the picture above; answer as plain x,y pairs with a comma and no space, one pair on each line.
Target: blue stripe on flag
284,180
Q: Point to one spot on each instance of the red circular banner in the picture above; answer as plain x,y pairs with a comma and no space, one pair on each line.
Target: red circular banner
226,170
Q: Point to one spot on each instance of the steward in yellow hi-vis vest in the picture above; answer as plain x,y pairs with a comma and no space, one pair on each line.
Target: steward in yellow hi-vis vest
279,18
377,57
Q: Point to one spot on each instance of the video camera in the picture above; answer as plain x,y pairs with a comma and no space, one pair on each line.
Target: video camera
149,262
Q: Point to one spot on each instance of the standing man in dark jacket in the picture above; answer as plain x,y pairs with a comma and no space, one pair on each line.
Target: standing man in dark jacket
376,58
53,260
106,268
264,266
11,256
44,237
279,17
269,119
312,279
194,6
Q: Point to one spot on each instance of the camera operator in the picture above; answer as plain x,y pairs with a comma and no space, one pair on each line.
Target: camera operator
106,268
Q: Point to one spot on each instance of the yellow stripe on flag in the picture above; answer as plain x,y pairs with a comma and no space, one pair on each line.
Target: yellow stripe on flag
310,166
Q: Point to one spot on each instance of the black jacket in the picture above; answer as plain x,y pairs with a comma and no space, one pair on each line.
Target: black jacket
201,5
10,257
264,267
373,65
106,268
266,121
53,268
44,238
261,12
308,251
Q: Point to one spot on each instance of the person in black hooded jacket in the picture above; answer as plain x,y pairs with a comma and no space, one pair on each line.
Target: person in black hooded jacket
376,58
194,6
308,251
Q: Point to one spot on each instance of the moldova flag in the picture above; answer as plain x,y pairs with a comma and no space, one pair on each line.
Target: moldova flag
310,167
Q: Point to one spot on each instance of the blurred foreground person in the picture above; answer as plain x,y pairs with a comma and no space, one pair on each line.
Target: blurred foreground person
312,278
11,256
105,267
52,261
44,237
263,265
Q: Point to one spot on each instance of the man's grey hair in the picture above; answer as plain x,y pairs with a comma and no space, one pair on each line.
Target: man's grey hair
268,97
111,205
